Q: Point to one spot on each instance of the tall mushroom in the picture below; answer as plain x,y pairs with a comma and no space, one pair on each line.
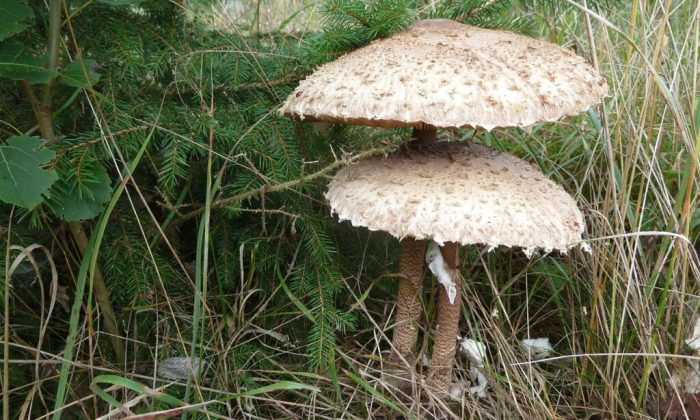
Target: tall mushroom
444,74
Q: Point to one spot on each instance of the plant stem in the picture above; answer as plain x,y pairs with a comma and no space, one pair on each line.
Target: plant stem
101,294
42,111
53,38
202,266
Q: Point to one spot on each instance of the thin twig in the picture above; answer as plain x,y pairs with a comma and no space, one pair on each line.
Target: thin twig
54,36
267,188
290,78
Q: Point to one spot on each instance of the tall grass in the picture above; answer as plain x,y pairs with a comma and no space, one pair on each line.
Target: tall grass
619,316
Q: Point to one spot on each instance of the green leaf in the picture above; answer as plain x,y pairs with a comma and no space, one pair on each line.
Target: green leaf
82,195
11,13
75,76
17,63
23,181
137,387
277,386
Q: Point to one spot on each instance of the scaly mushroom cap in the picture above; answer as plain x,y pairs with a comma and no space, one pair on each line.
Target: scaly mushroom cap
446,74
452,192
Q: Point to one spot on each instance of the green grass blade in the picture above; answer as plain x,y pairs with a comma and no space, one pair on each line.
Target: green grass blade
137,387
277,386
87,265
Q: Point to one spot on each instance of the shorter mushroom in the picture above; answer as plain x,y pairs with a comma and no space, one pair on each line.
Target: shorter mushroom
454,193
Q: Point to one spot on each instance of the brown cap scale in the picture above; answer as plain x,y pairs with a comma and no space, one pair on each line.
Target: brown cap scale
446,74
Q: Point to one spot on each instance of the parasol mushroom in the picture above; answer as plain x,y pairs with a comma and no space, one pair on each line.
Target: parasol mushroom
454,193
443,74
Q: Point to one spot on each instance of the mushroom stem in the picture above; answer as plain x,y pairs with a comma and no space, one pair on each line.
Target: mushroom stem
427,134
445,340
408,310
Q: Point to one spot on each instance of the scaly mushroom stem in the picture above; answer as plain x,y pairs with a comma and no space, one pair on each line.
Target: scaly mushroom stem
410,284
445,340
409,302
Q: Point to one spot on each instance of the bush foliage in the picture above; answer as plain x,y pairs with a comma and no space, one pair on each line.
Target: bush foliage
137,138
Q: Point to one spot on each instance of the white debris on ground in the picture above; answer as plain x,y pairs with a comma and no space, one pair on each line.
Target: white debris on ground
586,247
178,368
537,348
480,389
456,391
437,265
476,351
687,377
694,341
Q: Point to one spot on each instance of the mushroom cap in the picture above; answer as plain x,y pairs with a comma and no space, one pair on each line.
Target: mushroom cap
453,192
446,74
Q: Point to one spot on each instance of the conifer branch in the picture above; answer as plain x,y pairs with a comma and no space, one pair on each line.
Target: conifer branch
352,14
475,11
267,188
